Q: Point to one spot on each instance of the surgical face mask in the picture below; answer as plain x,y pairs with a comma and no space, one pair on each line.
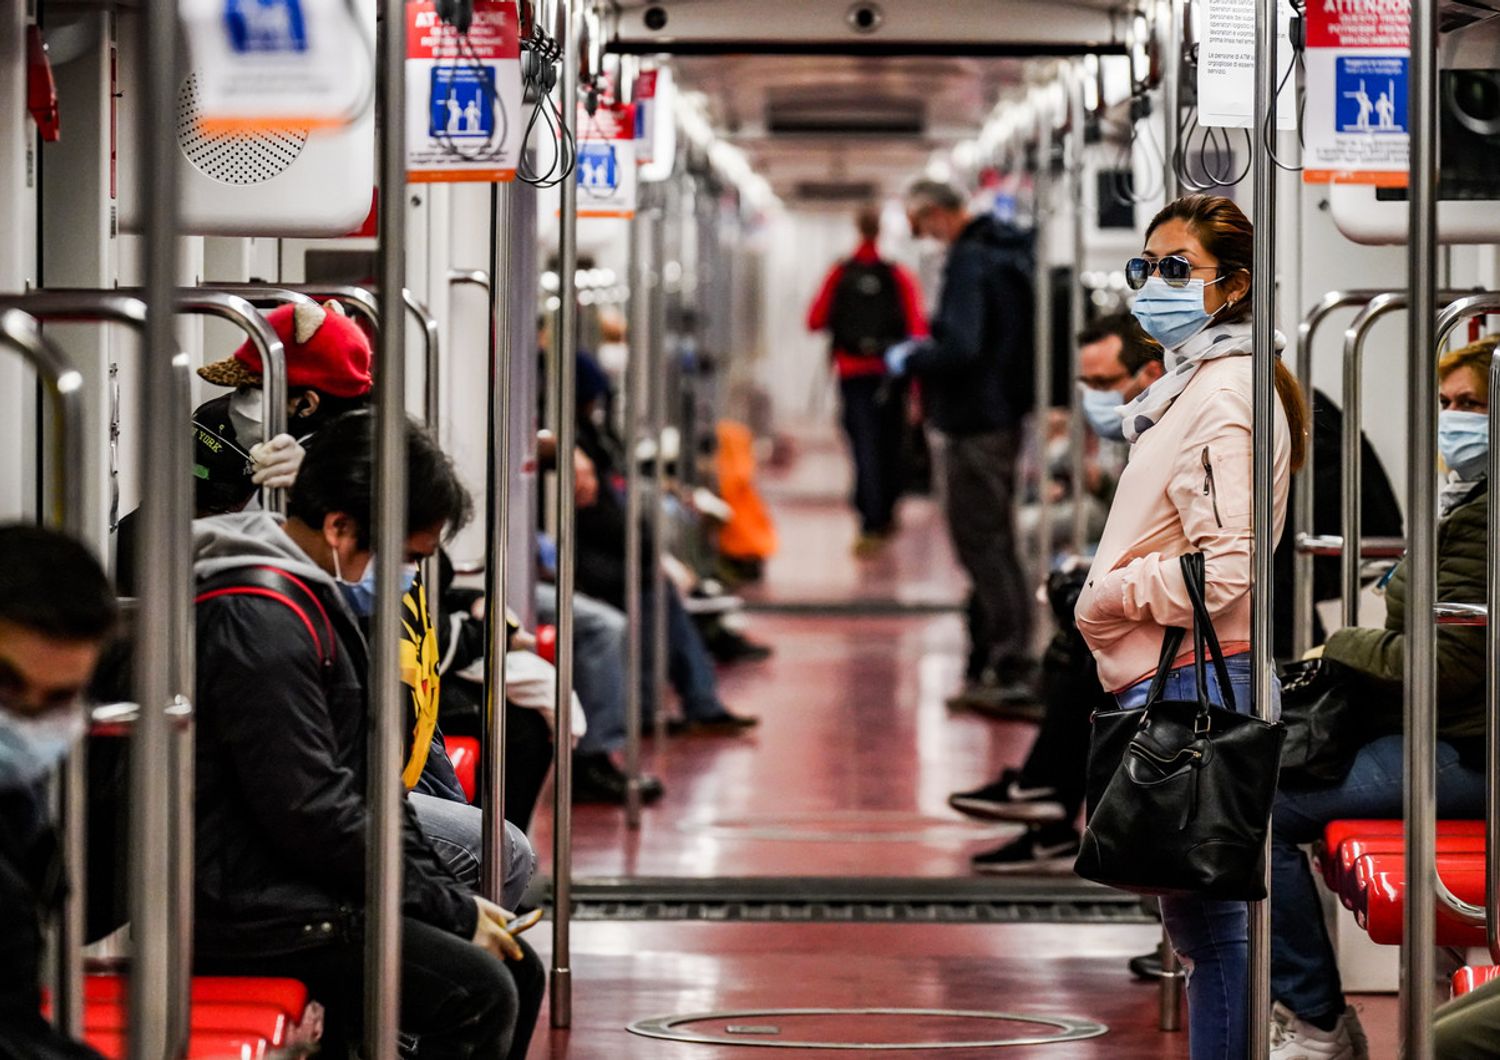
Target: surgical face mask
247,417
360,595
1464,441
1171,315
1101,409
31,746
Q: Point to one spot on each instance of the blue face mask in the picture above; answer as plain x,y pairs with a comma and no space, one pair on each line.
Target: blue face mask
360,595
1101,409
31,747
1464,441
1171,315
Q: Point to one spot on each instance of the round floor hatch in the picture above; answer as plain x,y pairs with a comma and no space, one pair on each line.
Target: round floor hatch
888,1029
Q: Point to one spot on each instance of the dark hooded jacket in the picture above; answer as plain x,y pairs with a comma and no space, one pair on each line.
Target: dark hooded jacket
281,769
977,368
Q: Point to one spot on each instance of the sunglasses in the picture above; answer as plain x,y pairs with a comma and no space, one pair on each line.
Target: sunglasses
1175,269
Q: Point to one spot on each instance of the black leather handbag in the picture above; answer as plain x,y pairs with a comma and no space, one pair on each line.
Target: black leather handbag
1180,791
1323,731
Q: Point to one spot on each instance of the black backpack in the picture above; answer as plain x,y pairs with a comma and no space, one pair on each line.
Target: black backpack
867,316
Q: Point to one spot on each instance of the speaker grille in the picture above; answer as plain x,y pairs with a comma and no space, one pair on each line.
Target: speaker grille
234,158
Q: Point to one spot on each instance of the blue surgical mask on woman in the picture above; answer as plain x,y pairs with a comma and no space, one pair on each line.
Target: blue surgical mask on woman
31,746
1171,315
1464,441
1102,409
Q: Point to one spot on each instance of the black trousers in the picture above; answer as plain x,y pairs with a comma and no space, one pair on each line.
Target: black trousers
1071,692
457,1001
872,416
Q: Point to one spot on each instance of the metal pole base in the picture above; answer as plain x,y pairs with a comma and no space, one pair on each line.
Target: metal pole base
561,993
1173,978
633,803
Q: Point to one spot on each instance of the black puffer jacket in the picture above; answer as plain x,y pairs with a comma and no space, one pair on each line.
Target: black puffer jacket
978,367
281,814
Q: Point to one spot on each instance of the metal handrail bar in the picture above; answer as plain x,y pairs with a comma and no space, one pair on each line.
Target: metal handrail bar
64,383
1302,486
363,300
1077,427
1450,613
639,325
1333,545
1042,350
1351,449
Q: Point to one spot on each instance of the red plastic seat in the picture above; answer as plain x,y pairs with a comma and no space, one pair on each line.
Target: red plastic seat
546,643
1380,895
1343,880
463,752
209,1017
214,1046
288,995
1473,977
1335,833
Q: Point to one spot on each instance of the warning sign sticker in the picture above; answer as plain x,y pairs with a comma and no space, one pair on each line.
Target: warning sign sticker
1357,58
463,95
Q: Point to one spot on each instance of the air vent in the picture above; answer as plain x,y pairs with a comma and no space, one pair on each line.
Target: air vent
875,117
835,190
234,158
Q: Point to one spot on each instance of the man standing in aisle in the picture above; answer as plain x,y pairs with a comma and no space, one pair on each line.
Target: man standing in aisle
868,305
976,374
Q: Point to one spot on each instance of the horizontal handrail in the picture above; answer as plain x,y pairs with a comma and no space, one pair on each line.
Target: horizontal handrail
1333,545
1452,614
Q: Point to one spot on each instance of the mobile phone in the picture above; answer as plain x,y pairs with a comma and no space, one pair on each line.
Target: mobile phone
524,923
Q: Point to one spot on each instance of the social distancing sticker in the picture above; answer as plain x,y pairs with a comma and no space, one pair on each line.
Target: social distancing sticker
1358,53
606,161
463,95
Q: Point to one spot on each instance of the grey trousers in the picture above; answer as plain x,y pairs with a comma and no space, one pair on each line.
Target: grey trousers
455,831
1469,1028
981,503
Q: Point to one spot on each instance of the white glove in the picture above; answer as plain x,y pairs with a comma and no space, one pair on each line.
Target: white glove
531,682
276,463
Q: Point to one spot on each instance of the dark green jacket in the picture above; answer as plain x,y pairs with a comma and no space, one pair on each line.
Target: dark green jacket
1377,653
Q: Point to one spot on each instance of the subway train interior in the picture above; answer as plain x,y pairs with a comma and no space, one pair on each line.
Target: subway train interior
610,528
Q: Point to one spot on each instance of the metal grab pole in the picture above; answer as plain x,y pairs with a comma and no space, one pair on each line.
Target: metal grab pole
383,868
1352,450
1263,362
1492,695
567,433
1042,335
635,370
65,386
1302,486
1077,431
157,1030
1419,780
432,399
367,303
656,384
1171,102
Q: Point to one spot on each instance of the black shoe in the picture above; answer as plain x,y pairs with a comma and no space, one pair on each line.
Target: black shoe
1051,848
596,779
727,646
1007,799
1148,966
726,724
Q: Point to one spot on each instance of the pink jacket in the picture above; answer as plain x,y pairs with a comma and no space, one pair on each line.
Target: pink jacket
1186,489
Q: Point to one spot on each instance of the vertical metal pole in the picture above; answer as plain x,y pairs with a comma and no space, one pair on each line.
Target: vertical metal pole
383,868
1042,333
1263,342
163,480
656,384
567,432
1351,458
432,414
497,515
1420,779
180,734
1492,696
1171,100
1169,996
639,325
1077,432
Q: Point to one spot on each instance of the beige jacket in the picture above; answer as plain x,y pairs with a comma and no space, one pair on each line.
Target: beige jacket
1186,489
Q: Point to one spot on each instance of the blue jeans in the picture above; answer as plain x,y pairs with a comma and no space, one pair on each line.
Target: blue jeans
1211,937
599,647
1304,973
455,831
690,668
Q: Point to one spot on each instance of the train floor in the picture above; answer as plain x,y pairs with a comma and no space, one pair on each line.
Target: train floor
844,780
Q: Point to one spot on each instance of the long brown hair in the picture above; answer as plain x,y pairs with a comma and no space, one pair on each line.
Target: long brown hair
1227,234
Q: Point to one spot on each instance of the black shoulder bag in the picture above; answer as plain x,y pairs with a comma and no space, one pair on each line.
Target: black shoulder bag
1180,791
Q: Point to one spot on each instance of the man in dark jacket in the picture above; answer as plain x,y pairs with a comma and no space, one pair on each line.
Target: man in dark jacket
282,823
56,608
976,373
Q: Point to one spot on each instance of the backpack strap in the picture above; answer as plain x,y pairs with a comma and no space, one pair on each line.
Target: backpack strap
285,588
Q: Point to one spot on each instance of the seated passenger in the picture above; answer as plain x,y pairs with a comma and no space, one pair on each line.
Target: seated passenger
56,609
1311,1017
281,818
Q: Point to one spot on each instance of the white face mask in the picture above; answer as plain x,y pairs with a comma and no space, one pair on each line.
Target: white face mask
31,746
246,416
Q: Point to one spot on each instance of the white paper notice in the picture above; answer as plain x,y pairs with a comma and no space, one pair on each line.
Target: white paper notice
1226,66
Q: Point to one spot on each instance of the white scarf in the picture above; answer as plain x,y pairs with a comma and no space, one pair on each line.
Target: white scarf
1146,409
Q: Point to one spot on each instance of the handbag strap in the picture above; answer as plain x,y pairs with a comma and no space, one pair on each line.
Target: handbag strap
1193,569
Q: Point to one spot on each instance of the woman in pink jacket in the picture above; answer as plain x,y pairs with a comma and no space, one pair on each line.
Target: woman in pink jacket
1187,489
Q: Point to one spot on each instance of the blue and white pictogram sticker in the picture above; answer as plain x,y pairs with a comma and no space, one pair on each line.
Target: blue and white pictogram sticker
462,102
265,26
1370,94
606,165
598,167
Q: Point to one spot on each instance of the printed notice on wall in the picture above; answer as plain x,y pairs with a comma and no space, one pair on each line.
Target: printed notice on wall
1357,56
463,94
1226,65
606,161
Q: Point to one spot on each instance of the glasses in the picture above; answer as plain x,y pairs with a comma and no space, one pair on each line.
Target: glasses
1175,269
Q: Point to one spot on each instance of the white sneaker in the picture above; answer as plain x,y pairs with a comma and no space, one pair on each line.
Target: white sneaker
1295,1039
